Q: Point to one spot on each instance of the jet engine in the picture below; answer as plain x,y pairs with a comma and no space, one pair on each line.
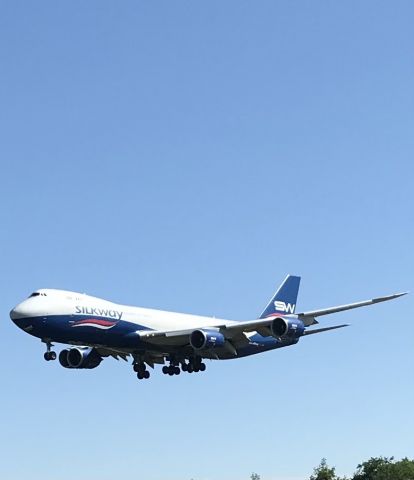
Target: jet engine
79,357
287,328
204,339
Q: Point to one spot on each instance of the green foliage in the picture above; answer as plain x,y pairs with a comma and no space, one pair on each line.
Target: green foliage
403,470
323,472
373,469
376,468
383,468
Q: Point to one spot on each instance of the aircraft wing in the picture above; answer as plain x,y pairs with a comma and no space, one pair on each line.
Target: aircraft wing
150,358
349,306
229,329
235,332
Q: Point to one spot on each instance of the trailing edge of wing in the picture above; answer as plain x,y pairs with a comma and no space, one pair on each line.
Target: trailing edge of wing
341,308
325,329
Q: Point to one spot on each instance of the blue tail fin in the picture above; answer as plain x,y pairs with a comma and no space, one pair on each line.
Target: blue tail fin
284,300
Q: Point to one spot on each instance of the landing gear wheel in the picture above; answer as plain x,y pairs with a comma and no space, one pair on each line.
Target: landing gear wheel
140,368
165,370
146,374
202,367
177,370
184,367
140,376
190,369
49,356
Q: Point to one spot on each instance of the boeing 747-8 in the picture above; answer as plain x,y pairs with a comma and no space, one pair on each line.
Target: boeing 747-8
96,329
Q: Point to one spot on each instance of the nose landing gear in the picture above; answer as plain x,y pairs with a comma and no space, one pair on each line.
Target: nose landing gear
49,354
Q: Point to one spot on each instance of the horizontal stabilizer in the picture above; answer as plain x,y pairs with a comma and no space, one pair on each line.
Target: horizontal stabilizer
325,329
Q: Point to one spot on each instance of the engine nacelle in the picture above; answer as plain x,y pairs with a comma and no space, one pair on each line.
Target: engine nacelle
287,327
79,357
63,358
205,339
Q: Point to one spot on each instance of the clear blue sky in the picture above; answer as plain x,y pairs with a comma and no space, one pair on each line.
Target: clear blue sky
187,155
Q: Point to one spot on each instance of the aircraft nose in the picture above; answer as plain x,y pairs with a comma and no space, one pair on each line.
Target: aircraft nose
21,317
14,315
18,312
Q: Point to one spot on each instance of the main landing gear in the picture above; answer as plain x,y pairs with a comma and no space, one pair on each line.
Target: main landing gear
141,371
49,354
193,365
171,370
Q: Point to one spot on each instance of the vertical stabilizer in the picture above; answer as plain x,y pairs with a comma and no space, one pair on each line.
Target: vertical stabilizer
284,300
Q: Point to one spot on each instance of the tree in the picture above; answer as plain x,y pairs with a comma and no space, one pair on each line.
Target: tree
383,468
323,472
403,470
373,468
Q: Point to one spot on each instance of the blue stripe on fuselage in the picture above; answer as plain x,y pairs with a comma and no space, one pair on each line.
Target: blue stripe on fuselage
60,328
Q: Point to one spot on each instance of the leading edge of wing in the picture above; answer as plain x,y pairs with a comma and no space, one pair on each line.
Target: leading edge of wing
349,306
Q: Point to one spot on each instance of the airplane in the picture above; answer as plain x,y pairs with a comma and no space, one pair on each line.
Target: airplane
96,328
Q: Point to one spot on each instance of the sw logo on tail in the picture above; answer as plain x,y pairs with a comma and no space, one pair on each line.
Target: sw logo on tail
284,307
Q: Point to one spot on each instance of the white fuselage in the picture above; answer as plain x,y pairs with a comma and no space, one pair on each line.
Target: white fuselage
62,303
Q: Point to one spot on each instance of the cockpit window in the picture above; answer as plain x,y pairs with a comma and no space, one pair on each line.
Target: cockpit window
36,294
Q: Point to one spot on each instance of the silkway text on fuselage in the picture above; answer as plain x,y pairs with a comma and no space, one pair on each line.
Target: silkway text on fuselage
101,312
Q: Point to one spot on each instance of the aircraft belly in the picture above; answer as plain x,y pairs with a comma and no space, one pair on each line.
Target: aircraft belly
122,334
